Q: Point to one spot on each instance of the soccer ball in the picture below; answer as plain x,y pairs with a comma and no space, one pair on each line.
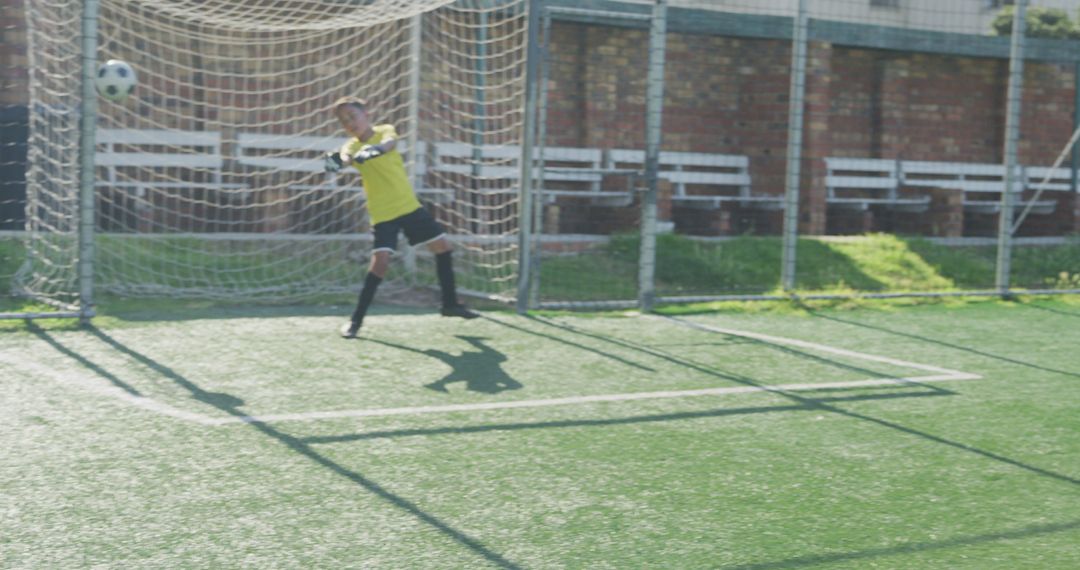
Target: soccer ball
115,80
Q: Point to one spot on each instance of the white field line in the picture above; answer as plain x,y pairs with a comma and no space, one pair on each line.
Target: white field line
941,375
94,385
823,348
575,400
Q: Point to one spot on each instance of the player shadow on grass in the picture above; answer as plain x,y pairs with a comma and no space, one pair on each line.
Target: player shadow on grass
563,341
480,370
229,404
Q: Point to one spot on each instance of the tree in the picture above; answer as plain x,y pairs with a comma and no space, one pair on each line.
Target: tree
1052,23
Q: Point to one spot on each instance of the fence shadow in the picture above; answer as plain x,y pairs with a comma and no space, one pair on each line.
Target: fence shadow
592,422
911,548
230,405
1036,305
939,342
823,405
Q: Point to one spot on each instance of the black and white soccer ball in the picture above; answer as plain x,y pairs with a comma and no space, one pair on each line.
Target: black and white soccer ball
115,80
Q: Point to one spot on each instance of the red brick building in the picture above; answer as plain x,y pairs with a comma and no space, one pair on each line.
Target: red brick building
917,96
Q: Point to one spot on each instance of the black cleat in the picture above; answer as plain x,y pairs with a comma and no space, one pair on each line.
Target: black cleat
349,329
458,311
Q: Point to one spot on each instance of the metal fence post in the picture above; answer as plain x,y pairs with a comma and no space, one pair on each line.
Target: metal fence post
88,122
1012,136
415,37
525,196
654,107
794,148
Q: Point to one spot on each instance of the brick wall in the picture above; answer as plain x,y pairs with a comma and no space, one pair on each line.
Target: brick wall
13,120
14,86
730,95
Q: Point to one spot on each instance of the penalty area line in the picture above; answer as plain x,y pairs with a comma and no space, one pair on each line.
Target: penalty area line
577,400
939,374
959,375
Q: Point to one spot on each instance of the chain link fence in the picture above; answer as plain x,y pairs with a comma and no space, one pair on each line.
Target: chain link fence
818,148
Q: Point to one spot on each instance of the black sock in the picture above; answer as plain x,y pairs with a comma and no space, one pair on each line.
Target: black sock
444,267
371,283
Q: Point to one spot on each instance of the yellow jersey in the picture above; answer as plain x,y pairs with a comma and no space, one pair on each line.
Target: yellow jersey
385,180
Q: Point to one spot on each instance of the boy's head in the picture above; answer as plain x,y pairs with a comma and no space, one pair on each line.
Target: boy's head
352,113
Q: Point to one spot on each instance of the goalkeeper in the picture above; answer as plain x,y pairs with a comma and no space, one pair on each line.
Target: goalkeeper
393,208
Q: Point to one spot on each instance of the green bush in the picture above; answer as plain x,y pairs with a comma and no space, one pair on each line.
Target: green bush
1050,23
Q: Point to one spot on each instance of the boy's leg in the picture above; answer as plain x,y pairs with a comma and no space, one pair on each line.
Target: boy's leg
367,293
444,268
422,229
380,262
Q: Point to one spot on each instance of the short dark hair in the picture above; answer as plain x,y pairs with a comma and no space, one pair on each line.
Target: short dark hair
350,101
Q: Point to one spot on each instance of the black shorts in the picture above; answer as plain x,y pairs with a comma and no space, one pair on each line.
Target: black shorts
419,227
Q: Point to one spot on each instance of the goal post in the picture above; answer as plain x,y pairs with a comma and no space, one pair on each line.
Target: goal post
208,183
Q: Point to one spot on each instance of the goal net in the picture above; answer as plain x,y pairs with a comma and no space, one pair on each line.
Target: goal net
209,179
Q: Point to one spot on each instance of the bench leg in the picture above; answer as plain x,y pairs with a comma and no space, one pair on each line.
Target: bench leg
866,221
849,221
1075,225
946,215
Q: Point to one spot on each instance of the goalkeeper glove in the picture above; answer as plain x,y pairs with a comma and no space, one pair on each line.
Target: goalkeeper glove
367,153
332,161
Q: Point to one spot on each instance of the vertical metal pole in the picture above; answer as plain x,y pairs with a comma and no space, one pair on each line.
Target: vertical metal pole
1012,136
654,108
1076,125
525,197
480,107
415,35
796,101
541,141
88,120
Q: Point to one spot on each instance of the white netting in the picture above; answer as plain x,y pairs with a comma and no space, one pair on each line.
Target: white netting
209,179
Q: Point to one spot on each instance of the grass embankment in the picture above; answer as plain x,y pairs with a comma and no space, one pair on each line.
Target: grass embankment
746,265
877,263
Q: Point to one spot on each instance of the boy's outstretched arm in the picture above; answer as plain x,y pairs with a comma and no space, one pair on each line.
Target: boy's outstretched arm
334,161
368,152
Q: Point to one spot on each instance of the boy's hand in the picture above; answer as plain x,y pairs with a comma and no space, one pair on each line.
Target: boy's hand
332,161
367,153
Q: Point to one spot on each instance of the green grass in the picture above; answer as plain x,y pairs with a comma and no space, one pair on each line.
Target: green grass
751,265
11,257
979,474
746,265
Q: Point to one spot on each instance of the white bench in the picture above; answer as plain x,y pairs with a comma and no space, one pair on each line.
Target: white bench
303,154
295,154
1058,179
858,183
143,159
981,183
495,170
696,177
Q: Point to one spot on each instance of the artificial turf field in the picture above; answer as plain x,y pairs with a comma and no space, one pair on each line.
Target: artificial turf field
921,437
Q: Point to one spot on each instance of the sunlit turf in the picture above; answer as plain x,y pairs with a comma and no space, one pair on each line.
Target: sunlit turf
977,473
